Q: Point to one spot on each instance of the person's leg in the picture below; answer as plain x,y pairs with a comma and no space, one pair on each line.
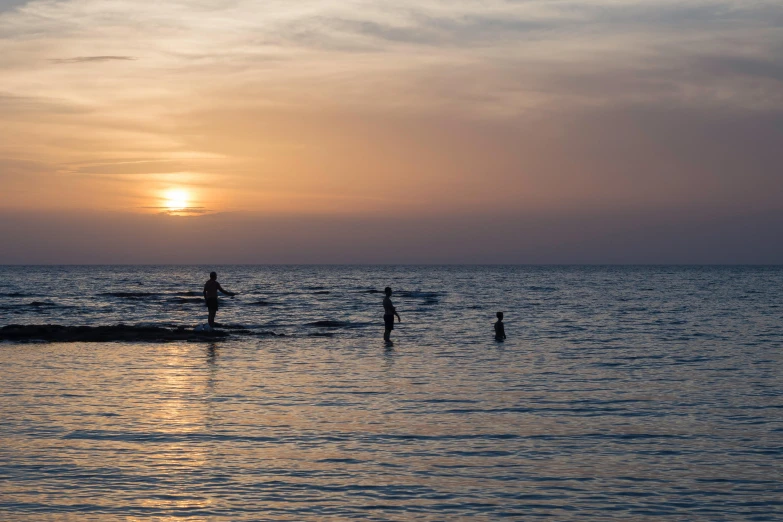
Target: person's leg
212,312
387,334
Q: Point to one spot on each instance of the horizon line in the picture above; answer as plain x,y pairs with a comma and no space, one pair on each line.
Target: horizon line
405,264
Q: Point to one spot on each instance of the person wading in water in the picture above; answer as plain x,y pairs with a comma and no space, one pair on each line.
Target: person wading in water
388,316
211,289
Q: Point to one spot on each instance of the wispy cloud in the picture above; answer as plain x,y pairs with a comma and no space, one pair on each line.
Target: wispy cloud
184,212
87,59
280,51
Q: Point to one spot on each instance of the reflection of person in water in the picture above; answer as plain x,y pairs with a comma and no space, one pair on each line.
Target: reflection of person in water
211,289
388,315
500,330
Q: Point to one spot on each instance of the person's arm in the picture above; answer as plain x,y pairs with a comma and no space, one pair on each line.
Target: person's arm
205,291
503,330
398,315
225,292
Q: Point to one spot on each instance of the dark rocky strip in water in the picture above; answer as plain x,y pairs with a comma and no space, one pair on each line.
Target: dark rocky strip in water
94,334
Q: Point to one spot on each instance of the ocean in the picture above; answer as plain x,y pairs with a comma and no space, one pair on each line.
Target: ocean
621,393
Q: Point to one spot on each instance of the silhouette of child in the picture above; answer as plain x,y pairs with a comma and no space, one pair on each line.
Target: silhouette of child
500,330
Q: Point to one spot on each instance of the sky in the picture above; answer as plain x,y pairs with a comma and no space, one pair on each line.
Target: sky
427,131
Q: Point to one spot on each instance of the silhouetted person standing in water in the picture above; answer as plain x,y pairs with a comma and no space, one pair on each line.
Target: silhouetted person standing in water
500,330
388,315
211,296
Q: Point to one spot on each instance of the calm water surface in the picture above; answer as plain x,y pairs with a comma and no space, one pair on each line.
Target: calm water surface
622,393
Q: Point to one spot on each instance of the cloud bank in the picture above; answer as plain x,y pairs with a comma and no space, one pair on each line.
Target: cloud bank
596,237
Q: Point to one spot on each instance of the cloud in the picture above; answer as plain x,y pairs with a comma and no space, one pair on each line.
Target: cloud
13,104
7,5
410,108
18,168
136,166
602,237
181,212
84,59
354,34
765,69
518,55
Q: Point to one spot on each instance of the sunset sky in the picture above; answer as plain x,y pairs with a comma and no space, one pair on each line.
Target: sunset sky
430,131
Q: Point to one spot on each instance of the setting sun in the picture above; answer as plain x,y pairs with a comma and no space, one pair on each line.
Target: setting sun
176,200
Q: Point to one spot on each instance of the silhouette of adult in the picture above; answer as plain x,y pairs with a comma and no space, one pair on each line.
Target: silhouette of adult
389,311
211,288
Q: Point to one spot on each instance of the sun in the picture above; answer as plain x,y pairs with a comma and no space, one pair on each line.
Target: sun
176,199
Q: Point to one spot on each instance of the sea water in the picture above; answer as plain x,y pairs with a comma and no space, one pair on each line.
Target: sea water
621,393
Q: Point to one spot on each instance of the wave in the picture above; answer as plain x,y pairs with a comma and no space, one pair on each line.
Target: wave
46,304
417,295
329,324
35,305
232,327
129,295
185,300
341,324
263,333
